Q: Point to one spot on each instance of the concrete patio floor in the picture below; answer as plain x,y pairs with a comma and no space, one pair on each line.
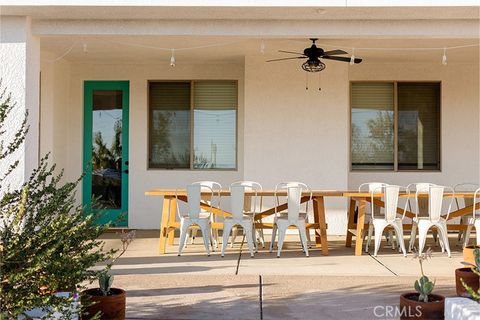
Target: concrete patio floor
337,286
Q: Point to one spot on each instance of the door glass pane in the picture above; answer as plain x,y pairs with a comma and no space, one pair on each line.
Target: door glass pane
215,113
169,135
418,126
107,148
372,126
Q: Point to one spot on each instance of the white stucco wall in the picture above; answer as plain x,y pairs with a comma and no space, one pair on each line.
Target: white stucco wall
20,75
55,87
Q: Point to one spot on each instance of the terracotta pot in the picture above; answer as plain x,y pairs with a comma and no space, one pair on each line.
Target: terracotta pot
411,308
112,307
468,255
470,278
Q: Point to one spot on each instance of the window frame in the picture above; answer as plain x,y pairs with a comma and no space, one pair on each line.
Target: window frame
395,127
192,121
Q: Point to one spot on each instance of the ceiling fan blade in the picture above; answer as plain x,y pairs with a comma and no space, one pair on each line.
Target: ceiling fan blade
334,52
345,59
286,59
290,52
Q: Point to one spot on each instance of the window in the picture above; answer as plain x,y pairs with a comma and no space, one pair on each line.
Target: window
395,126
193,125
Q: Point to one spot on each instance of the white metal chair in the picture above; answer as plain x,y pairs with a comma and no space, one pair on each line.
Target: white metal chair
371,186
293,216
434,219
422,210
379,223
469,187
250,209
473,221
214,201
237,198
196,216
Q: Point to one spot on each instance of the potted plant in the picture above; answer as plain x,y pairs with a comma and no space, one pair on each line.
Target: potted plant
468,277
422,304
105,301
468,254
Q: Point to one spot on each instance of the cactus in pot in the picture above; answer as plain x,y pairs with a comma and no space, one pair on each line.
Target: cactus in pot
423,286
475,268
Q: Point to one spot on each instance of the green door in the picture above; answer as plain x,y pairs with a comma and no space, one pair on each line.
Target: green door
105,149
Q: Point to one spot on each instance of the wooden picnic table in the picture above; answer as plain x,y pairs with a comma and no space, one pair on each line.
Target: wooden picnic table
360,199
168,222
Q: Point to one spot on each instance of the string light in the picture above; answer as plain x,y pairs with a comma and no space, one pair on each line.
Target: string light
352,58
172,58
262,47
444,58
85,49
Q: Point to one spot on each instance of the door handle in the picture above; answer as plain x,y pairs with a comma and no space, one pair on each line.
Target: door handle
126,163
125,171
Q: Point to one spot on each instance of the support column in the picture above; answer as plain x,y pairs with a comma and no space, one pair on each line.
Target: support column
20,75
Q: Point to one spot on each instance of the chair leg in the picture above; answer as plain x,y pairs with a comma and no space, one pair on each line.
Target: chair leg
205,235
422,237
466,238
193,233
303,238
309,240
399,232
183,237
369,237
413,236
274,232
250,240
444,235
281,237
262,237
378,232
234,236
227,227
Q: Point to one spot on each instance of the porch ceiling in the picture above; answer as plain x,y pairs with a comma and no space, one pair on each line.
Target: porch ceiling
147,49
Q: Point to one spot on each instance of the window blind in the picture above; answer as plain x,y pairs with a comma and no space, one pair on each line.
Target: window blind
372,125
215,105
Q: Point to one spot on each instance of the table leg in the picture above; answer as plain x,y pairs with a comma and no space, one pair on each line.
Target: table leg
319,214
360,227
351,221
162,243
171,218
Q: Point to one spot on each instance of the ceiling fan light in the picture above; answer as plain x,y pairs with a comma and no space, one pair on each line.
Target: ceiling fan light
313,65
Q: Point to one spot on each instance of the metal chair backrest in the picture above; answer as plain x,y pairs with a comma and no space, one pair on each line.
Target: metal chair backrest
237,200
215,187
390,194
250,186
465,187
422,203
435,201
371,187
294,191
194,197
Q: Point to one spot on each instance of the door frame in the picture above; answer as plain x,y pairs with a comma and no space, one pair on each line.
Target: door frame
89,86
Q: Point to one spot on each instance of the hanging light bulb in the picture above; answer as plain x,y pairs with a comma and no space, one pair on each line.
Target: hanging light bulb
444,58
352,58
85,49
262,47
172,58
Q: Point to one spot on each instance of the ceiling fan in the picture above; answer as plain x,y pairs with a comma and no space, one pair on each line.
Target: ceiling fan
313,55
